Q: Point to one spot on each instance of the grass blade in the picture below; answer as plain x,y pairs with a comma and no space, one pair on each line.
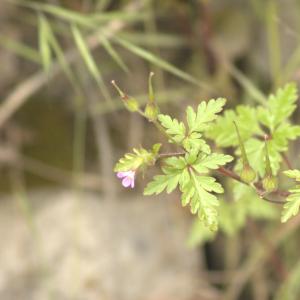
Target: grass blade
114,55
86,54
45,50
150,57
20,49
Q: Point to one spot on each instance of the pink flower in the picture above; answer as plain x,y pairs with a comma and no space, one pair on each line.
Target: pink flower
128,178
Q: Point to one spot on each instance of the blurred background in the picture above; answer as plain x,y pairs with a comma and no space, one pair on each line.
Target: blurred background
69,230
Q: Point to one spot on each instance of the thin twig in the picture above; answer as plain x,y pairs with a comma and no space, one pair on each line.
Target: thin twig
163,155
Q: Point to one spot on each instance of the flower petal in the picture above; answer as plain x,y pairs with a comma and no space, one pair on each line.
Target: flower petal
126,182
121,174
132,183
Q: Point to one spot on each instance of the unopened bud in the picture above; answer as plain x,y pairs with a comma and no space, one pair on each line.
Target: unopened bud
248,175
130,103
270,183
151,111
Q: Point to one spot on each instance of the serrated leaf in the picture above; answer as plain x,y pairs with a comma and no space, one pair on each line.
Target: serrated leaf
280,106
132,161
285,132
213,161
255,150
174,174
196,192
291,208
193,142
155,148
173,127
176,162
206,112
295,174
210,184
162,182
188,191
223,133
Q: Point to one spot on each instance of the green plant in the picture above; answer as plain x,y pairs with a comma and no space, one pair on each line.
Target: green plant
254,140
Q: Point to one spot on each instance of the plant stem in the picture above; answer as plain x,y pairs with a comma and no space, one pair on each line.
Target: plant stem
257,186
162,155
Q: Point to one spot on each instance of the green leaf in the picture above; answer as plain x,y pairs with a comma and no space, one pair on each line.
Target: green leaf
196,192
256,155
223,133
210,184
285,132
291,208
155,148
295,174
206,113
193,142
162,182
173,127
213,161
176,162
141,158
280,106
174,174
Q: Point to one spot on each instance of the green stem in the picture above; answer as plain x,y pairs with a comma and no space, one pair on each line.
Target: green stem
268,163
244,154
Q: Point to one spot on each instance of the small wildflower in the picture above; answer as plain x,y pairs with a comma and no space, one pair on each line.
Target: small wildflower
127,178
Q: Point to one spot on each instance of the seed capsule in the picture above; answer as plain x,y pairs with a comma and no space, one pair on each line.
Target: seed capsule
270,183
130,103
248,175
151,110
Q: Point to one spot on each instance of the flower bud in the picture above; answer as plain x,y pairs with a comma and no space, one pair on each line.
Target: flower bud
270,183
130,103
248,175
151,112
